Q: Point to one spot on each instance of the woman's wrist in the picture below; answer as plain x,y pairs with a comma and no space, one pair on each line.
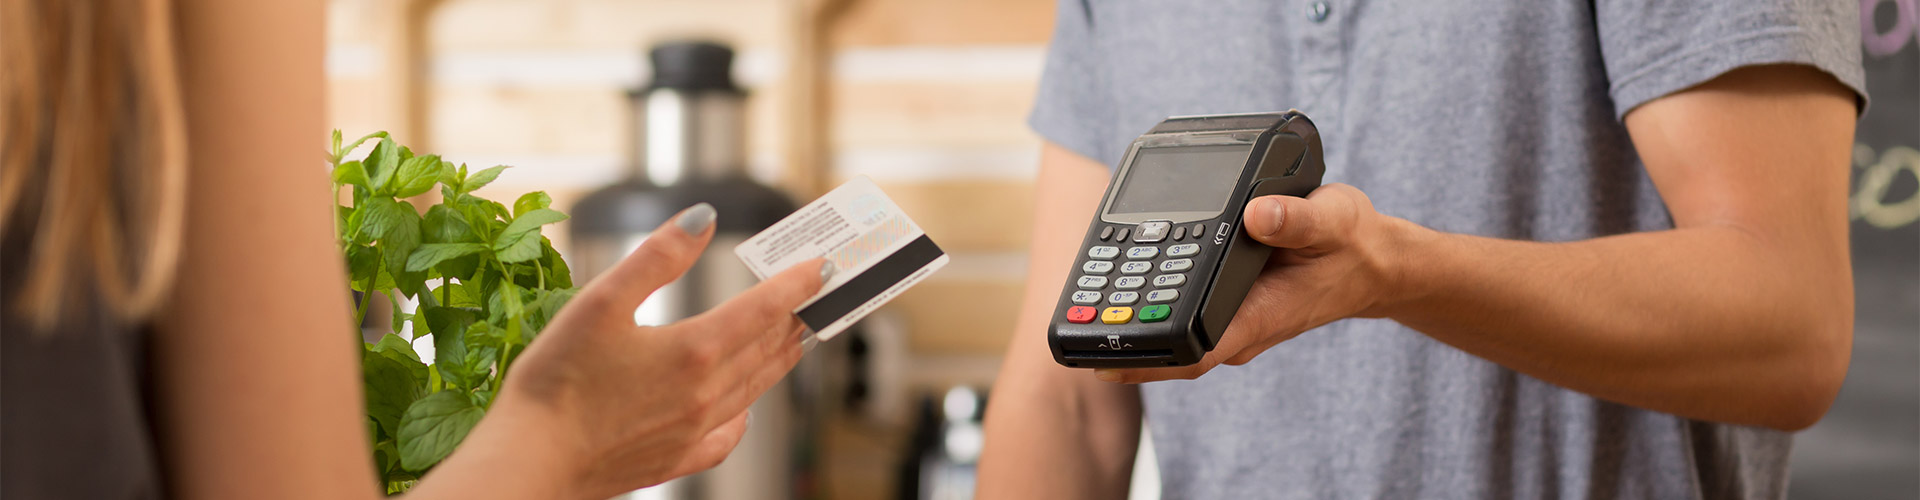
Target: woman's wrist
526,442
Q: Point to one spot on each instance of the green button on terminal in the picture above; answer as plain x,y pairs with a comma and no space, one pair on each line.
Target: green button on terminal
1155,313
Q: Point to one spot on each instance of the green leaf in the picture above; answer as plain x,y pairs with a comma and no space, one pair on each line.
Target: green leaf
444,224
485,334
416,176
460,295
480,217
381,164
355,218
378,217
449,178
386,456
356,144
340,214
350,173
398,349
398,244
520,241
481,179
363,262
483,399
522,250
433,426
558,274
390,389
400,314
528,223
549,306
334,142
531,201
392,343
449,325
507,300
382,281
431,254
480,360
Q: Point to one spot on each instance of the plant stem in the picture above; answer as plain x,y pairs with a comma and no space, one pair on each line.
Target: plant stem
504,273
366,302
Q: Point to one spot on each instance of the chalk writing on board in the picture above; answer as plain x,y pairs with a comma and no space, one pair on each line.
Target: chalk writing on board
1869,201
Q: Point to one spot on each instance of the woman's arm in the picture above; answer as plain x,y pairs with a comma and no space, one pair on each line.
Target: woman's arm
258,394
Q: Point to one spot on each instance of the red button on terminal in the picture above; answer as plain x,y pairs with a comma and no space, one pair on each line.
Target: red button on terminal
1080,314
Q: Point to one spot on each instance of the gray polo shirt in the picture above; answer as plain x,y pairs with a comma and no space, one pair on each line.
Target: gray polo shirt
1490,117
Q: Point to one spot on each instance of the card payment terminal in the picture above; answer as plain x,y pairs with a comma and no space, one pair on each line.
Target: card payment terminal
1166,263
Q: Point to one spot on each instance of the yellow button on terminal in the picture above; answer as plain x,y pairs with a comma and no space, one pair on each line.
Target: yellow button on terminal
1116,315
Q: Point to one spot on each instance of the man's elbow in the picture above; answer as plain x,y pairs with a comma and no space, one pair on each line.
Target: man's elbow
1821,360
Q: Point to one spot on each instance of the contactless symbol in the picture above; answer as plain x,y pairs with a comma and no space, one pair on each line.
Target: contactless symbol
1220,236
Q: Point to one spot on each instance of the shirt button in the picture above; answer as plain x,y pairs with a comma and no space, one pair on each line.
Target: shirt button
1318,12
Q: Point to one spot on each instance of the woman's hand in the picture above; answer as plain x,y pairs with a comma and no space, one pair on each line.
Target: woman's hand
626,406
1333,258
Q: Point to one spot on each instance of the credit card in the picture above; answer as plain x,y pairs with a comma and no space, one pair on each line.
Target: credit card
877,253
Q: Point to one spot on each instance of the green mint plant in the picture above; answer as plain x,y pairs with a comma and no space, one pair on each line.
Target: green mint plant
484,278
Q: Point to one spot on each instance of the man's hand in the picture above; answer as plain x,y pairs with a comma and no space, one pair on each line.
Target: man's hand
1333,258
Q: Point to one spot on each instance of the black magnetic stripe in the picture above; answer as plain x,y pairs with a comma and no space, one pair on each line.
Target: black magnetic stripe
864,287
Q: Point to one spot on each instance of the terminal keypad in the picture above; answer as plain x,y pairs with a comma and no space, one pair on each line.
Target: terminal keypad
1153,260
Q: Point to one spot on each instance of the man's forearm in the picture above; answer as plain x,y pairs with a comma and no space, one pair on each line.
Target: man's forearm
1713,322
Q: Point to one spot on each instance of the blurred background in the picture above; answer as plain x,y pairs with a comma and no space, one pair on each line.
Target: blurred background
928,98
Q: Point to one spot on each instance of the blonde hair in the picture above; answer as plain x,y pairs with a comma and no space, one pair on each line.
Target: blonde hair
92,156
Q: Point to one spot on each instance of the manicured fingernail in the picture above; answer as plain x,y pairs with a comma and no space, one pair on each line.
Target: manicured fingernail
826,271
1107,375
696,219
749,419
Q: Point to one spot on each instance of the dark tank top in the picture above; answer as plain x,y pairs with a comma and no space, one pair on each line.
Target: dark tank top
74,404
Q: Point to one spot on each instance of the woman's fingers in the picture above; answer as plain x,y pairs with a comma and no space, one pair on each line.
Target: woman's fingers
745,378
666,254
765,311
712,448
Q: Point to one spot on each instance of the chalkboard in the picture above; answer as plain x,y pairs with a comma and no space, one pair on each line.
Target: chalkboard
1868,447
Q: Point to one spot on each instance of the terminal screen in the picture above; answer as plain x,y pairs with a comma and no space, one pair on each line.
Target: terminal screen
1180,179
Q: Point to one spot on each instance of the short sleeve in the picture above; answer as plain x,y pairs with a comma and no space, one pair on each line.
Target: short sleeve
1657,47
1067,108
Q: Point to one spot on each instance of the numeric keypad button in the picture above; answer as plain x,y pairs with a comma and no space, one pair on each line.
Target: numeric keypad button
1123,298
1142,253
1136,267
1103,252
1176,265
1185,250
1158,296
1169,280
1086,298
1130,282
1092,282
1096,267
